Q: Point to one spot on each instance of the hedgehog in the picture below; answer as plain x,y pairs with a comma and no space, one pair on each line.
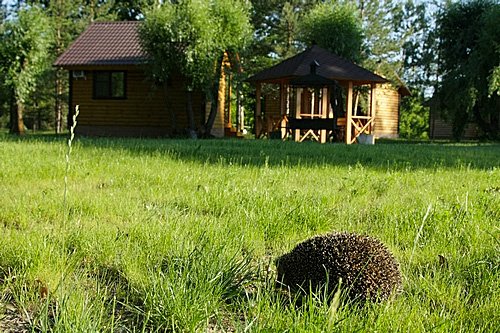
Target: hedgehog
361,264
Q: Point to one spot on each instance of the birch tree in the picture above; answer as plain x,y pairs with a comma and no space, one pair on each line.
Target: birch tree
24,57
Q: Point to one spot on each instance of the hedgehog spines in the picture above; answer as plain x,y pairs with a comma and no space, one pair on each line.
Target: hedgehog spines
364,265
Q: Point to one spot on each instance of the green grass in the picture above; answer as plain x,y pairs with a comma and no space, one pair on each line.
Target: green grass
179,235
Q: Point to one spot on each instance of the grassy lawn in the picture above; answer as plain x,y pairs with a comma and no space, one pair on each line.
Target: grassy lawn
178,235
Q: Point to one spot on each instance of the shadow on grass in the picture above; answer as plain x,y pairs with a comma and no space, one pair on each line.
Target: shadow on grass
386,154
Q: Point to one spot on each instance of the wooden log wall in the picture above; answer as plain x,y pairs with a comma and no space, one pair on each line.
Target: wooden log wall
442,129
387,117
145,107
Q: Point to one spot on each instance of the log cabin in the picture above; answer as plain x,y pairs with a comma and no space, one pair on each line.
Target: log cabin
315,95
107,79
442,129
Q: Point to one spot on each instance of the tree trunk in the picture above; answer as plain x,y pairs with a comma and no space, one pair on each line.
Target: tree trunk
16,118
191,129
212,95
495,119
489,128
170,109
58,102
12,113
213,110
459,121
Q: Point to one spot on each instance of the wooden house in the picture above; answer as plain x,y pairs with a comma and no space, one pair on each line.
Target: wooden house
107,80
440,128
388,101
316,96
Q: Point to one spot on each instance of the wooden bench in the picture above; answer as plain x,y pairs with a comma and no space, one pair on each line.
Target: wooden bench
335,128
311,124
315,124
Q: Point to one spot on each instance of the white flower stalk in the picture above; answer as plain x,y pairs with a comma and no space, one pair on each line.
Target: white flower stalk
68,153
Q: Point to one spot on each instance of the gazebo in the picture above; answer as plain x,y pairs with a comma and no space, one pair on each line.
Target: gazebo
316,99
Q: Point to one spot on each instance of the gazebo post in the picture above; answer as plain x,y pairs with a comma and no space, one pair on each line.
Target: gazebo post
283,93
348,127
258,111
298,111
324,112
373,106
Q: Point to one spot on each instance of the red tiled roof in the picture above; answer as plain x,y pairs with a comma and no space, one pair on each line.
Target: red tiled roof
105,43
331,67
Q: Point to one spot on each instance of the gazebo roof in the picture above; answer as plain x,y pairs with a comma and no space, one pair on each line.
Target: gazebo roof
330,66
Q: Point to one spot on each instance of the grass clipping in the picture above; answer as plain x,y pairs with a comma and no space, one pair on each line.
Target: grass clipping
362,264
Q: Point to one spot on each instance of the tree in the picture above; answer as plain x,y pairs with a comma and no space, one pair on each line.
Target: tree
68,19
414,117
420,44
24,54
131,10
190,38
276,29
4,91
335,27
287,30
382,45
469,64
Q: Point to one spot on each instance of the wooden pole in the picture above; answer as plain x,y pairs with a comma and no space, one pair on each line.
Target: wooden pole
298,111
348,127
324,112
283,93
258,111
373,107
228,101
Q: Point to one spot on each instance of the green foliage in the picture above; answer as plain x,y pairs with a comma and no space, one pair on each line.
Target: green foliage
287,30
470,58
276,29
174,35
334,27
129,10
191,37
417,27
494,83
24,51
414,118
382,37
24,59
44,29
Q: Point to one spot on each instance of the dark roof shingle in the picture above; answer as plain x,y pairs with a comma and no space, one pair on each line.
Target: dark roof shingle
105,43
331,67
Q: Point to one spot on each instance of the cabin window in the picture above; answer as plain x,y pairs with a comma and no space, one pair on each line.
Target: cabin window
109,85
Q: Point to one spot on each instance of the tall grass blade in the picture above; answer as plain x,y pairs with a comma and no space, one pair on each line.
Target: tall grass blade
419,233
68,153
